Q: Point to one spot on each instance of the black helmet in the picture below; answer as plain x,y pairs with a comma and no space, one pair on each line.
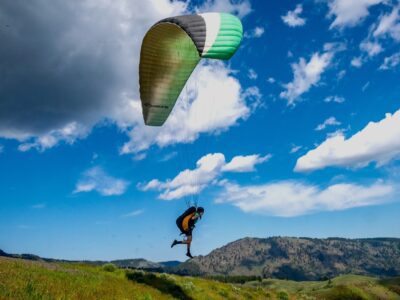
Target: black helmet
200,210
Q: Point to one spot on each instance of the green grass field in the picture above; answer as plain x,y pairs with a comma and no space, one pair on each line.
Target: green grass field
22,279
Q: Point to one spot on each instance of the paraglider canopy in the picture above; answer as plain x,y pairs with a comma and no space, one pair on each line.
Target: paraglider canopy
170,51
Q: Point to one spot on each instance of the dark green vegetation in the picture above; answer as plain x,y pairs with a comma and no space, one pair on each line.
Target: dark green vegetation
234,279
24,279
299,258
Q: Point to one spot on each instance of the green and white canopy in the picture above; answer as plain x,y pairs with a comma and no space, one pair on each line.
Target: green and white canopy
171,50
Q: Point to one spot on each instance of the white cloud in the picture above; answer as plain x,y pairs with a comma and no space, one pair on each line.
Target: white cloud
257,32
208,169
252,74
254,97
271,80
134,213
140,156
377,142
245,163
390,62
331,121
169,156
389,25
295,198
212,102
241,7
295,148
349,13
371,48
292,18
189,182
356,62
335,46
68,134
153,184
341,74
336,99
95,179
306,75
365,86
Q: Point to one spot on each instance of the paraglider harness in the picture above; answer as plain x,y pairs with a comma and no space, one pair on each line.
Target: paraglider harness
185,222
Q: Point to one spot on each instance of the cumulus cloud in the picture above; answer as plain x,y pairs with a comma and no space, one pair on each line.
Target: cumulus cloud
336,99
295,198
68,134
72,73
371,48
349,13
96,179
341,74
389,25
331,121
390,62
212,86
377,142
65,78
306,75
241,8
245,163
252,74
356,62
292,18
257,32
295,148
208,169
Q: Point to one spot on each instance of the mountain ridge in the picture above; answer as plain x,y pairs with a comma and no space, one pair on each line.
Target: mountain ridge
299,258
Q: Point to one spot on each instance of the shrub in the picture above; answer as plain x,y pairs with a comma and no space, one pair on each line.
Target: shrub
344,292
189,286
282,295
223,293
147,297
109,267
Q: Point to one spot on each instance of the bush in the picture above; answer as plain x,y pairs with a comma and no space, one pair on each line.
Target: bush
344,292
109,267
161,283
189,286
282,295
223,293
241,279
147,297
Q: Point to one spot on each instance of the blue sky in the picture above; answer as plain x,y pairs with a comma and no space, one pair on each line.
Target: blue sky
297,135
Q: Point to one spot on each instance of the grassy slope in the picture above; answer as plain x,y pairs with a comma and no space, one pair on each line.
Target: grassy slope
21,279
342,287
